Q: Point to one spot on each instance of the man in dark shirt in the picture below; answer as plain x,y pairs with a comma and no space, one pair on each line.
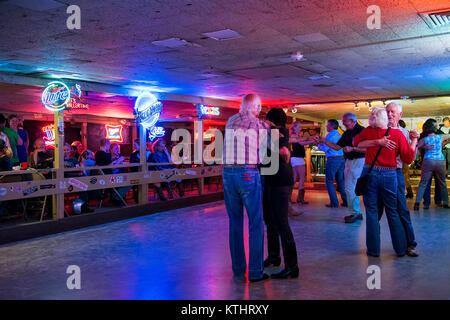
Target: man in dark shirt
354,162
102,156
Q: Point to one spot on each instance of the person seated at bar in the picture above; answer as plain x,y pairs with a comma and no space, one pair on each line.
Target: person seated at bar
40,158
70,162
5,165
160,154
116,157
77,150
87,160
13,137
103,158
5,162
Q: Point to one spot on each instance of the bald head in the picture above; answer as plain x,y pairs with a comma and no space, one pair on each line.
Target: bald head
251,104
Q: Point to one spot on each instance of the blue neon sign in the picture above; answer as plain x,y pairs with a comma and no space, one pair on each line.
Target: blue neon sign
147,109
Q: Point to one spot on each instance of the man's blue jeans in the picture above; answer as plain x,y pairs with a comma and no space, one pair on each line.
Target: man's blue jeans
242,188
382,185
402,209
335,169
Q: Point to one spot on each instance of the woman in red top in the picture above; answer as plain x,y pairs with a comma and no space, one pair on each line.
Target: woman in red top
382,183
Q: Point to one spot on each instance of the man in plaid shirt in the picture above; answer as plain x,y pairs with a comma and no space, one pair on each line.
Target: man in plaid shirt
242,186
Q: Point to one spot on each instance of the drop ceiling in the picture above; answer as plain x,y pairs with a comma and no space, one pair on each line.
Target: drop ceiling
342,58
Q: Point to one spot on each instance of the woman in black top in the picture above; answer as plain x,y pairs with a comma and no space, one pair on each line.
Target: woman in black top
276,192
298,159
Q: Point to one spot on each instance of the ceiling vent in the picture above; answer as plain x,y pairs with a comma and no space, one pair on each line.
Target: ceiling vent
436,18
172,43
226,34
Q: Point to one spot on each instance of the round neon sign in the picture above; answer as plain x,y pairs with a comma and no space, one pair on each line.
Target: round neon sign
55,96
147,109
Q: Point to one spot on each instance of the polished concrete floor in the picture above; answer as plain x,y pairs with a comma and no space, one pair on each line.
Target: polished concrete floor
183,254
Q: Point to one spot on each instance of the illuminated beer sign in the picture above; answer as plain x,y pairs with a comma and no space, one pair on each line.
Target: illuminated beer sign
204,110
55,96
147,109
114,133
156,132
49,138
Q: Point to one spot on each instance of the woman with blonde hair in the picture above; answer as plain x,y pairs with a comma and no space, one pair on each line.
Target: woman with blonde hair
298,159
380,166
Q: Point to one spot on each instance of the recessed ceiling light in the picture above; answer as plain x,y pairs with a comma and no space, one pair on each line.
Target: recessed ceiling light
172,43
226,34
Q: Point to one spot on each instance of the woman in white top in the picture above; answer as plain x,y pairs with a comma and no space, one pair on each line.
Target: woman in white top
298,159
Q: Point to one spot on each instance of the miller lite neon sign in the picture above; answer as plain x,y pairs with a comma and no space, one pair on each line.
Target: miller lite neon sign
55,96
114,133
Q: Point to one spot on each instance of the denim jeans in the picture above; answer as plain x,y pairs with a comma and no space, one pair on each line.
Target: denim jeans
402,209
427,193
430,167
382,186
335,169
352,172
242,188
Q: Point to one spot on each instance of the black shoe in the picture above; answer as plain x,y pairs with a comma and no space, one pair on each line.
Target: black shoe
372,255
264,277
353,218
411,252
426,207
275,262
416,207
344,205
286,273
445,206
330,206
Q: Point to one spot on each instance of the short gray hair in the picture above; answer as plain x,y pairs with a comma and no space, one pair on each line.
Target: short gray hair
350,115
251,103
378,118
398,104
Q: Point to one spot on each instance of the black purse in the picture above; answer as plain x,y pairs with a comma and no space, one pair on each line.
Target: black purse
363,182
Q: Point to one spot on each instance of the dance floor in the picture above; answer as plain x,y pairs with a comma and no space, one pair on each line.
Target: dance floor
183,254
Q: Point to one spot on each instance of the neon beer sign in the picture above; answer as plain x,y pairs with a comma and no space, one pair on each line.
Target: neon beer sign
147,109
156,132
55,96
114,133
49,138
204,110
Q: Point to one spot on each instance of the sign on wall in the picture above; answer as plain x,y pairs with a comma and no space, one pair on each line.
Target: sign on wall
147,109
55,96
114,133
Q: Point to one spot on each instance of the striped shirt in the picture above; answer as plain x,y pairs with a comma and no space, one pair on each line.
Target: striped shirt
245,140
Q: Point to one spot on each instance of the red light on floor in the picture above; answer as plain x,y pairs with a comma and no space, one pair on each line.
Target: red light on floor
114,133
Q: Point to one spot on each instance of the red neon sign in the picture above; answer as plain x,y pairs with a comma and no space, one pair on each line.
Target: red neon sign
114,133
49,138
